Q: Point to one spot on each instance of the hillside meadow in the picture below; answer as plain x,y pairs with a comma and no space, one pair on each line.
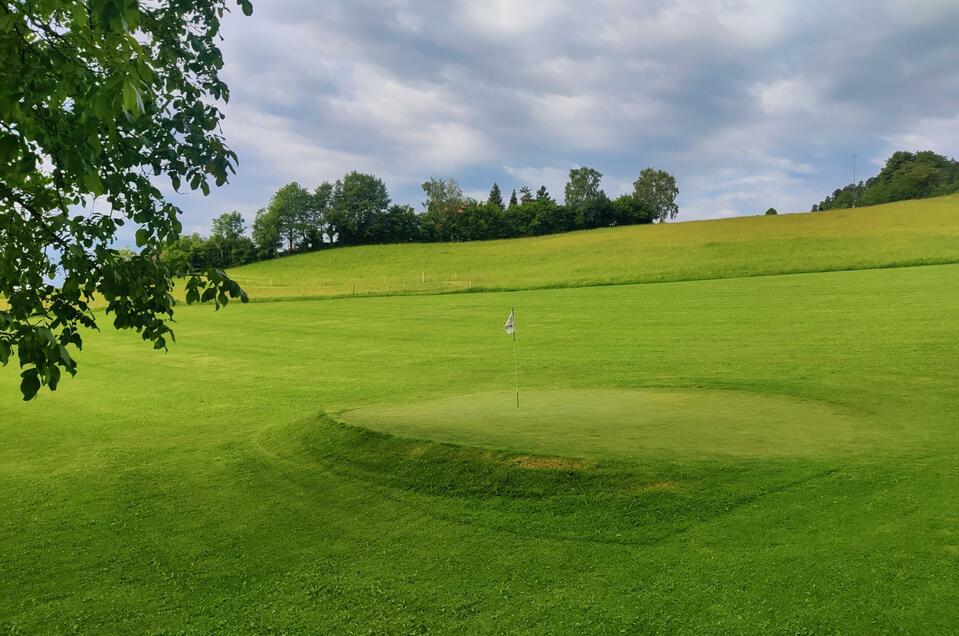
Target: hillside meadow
754,454
897,234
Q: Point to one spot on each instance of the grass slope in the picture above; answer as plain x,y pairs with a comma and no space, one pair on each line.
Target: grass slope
204,490
904,233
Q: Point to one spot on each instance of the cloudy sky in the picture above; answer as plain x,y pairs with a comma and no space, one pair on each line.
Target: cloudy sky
749,103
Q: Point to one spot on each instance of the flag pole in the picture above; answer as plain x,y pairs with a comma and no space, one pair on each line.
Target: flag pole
515,364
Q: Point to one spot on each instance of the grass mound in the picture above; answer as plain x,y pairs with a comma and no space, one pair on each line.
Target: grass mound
601,501
628,423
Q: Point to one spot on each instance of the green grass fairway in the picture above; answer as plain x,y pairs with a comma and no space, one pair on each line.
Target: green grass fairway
896,234
786,461
628,424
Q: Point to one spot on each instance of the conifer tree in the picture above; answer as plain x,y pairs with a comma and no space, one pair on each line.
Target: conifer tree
496,197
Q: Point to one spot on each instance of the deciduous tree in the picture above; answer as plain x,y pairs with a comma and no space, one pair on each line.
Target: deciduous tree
99,100
586,200
355,205
656,191
293,207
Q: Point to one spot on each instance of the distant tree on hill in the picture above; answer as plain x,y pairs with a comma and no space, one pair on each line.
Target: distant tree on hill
771,212
293,209
479,222
356,210
229,226
444,202
321,232
442,195
399,224
656,191
583,186
588,204
356,205
266,234
496,197
228,243
905,175
630,210
186,253
547,216
534,216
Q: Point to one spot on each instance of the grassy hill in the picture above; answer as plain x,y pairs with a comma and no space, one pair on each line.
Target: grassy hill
896,234
741,455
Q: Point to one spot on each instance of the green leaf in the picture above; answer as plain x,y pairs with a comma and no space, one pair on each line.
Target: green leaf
8,147
30,384
246,6
132,100
93,183
142,236
66,358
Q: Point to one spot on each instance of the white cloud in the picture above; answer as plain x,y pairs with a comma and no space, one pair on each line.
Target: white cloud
286,154
508,18
787,96
427,121
749,103
940,134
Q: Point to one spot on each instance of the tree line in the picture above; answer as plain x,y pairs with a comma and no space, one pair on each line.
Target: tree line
905,175
357,210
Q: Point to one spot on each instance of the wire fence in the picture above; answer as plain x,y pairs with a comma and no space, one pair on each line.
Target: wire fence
274,287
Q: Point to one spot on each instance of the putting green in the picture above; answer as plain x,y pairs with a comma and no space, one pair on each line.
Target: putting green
627,423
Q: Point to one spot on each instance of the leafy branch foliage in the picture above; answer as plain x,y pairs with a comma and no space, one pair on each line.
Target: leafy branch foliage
99,98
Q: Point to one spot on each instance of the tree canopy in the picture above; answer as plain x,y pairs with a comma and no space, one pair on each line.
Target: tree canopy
586,200
99,99
905,175
656,191
357,204
357,210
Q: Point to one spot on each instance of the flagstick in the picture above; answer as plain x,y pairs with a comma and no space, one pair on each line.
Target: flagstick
515,365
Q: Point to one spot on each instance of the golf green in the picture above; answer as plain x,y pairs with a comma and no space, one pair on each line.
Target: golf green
627,423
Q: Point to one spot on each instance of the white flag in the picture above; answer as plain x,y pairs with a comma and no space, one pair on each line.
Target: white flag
510,326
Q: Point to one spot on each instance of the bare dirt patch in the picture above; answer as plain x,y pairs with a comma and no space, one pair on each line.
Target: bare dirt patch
549,463
657,486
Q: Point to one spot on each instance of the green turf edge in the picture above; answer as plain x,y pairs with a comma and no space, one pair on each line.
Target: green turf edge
589,501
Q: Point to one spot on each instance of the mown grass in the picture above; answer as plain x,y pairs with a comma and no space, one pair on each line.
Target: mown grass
905,233
205,490
629,424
